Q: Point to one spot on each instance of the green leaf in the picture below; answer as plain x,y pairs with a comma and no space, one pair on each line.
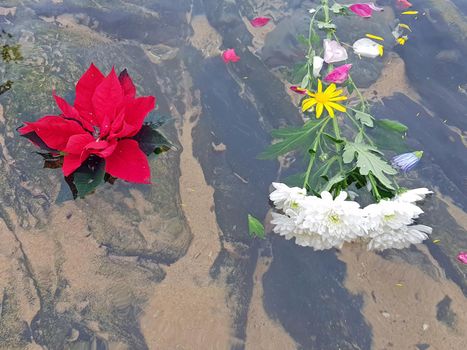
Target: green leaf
255,227
332,138
393,125
152,141
388,139
298,71
365,118
302,40
88,176
350,88
325,25
333,181
314,39
292,139
368,161
305,81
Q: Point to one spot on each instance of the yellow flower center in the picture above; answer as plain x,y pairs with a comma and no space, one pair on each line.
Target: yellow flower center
334,218
321,97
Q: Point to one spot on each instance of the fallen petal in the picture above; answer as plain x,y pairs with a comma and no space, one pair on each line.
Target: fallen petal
362,10
367,48
462,257
259,21
403,4
376,37
230,56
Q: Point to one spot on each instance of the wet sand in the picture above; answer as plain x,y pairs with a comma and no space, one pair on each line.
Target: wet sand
188,307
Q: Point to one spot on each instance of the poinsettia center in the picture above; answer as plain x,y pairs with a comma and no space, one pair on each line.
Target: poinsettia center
96,132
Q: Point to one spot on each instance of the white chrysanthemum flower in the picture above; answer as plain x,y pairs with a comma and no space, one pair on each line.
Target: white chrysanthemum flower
337,220
285,197
392,214
415,195
401,238
390,225
283,225
289,226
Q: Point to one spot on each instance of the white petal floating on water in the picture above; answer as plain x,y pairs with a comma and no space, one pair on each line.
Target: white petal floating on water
367,48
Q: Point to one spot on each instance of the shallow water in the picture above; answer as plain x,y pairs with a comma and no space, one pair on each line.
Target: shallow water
171,266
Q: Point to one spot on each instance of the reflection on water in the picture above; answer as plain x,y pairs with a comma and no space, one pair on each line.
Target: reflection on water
171,266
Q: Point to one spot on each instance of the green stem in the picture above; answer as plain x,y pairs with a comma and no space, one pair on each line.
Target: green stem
325,4
374,187
337,133
313,152
311,51
360,95
357,90
360,128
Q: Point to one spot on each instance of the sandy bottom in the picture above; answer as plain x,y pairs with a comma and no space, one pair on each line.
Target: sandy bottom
401,301
264,333
188,309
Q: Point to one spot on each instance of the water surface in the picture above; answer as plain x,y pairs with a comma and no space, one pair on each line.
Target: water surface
171,266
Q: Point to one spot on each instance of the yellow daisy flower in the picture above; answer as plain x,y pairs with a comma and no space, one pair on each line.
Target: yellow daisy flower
324,99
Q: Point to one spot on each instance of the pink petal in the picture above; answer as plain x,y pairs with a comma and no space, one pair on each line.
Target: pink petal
333,51
259,21
230,56
298,90
339,74
403,4
363,10
462,257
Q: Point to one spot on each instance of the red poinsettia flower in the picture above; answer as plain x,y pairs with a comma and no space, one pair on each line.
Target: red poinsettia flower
105,116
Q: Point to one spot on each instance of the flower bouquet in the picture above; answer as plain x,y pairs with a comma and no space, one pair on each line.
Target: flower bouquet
343,160
102,136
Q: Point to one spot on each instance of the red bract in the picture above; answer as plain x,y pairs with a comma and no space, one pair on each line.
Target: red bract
105,115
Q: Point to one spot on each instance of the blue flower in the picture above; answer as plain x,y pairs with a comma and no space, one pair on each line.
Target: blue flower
407,161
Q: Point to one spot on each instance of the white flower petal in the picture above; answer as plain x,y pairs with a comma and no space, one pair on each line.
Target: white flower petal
317,65
367,48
